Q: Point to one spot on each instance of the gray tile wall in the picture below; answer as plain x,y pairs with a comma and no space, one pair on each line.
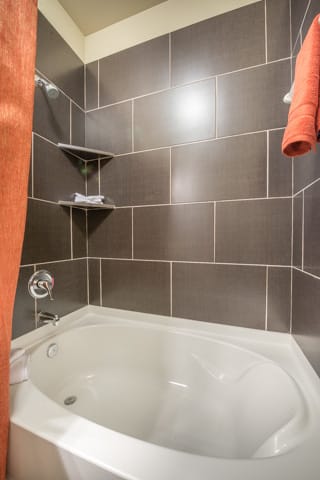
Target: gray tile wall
55,237
306,221
204,221
204,224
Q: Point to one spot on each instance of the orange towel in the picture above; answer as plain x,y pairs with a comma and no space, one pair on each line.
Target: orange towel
303,126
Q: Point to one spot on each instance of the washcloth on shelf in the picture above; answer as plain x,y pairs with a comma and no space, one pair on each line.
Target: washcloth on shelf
91,199
18,366
301,133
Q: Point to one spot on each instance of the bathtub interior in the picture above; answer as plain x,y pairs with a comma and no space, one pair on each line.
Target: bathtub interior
180,391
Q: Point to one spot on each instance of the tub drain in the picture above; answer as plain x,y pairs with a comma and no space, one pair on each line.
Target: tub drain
70,400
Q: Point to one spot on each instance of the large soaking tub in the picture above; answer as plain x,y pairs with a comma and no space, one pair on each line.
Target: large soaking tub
114,394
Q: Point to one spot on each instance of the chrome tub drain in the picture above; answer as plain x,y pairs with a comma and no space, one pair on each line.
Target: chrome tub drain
70,400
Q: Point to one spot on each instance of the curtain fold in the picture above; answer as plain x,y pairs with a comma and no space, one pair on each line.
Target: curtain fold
18,26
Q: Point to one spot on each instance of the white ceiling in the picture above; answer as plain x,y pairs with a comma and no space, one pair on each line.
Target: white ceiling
93,15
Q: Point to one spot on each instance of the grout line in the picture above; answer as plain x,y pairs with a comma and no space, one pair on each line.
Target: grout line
71,234
290,29
306,187
153,260
43,200
292,220
214,230
32,165
302,235
85,87
267,293
307,273
86,180
268,158
204,202
291,299
210,77
44,138
216,107
292,176
170,59
98,86
87,236
204,140
170,289
300,27
265,30
100,274
35,313
132,250
170,176
53,261
88,283
70,121
132,125
99,176
35,304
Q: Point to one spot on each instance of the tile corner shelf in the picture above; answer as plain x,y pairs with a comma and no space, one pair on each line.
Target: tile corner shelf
88,206
84,153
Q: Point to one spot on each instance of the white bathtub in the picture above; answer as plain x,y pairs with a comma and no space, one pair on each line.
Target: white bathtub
152,398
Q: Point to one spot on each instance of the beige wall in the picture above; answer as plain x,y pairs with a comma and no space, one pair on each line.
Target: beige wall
65,26
166,17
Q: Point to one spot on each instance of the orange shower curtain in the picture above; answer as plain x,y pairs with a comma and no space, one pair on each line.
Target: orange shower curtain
17,61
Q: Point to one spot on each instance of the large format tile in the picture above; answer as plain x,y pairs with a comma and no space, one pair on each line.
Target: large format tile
70,287
135,71
279,299
56,175
91,84
47,233
278,29
312,229
58,62
220,44
24,305
177,232
229,294
298,9
109,233
175,116
254,231
94,281
218,169
280,167
138,179
297,230
109,128
251,100
306,169
79,235
51,117
139,286
305,316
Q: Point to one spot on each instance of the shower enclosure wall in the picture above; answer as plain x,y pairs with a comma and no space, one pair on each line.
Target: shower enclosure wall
209,218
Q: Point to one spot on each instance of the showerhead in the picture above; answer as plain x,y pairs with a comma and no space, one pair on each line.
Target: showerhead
50,89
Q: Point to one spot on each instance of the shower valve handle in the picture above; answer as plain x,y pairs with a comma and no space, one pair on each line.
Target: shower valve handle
41,284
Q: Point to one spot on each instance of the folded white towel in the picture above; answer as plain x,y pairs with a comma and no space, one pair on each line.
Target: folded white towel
92,199
18,366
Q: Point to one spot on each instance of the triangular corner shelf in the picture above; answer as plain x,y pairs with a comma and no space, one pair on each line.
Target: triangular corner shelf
87,206
84,153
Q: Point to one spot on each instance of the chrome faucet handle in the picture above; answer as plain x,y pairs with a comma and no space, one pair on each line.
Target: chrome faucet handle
45,285
40,284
